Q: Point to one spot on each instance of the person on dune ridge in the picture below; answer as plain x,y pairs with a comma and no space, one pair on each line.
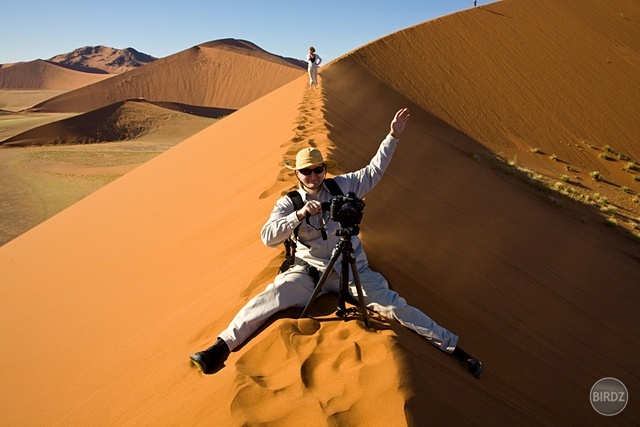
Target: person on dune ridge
315,240
314,60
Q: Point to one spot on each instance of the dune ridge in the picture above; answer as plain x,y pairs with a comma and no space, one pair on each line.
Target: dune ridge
207,75
545,296
483,255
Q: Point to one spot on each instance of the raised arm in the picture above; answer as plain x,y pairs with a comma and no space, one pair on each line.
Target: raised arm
363,180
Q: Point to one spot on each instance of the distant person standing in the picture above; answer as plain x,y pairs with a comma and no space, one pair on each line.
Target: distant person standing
314,60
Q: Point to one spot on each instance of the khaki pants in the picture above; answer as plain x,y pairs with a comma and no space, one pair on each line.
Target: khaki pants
313,75
294,288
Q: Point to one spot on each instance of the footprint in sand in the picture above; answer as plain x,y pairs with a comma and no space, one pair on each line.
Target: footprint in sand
310,130
330,373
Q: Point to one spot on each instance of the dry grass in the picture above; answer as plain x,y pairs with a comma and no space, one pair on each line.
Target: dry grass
39,182
17,100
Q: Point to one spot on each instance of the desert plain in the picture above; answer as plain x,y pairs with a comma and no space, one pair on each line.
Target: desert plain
509,214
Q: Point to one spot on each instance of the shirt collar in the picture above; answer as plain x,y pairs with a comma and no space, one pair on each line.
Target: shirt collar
304,193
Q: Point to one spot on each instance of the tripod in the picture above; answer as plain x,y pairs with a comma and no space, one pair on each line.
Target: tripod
345,248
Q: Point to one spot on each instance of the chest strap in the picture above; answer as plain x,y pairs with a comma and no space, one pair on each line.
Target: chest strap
290,243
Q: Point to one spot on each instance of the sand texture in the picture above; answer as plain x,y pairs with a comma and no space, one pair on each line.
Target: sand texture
102,304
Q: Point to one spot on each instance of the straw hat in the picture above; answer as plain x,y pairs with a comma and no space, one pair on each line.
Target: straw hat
309,158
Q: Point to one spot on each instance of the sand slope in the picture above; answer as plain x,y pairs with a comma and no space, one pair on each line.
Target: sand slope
102,303
510,85
45,75
223,74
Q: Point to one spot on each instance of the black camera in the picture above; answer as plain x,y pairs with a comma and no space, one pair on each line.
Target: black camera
347,210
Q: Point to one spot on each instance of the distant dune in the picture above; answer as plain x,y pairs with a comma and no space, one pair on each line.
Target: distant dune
103,59
222,74
125,120
33,194
40,75
103,303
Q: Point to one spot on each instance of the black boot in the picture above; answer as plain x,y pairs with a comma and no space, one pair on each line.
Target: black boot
212,359
473,365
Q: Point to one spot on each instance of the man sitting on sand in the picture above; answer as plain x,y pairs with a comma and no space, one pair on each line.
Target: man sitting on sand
315,240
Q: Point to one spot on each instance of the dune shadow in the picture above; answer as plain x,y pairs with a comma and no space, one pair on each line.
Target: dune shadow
611,183
555,159
486,9
579,185
196,110
435,157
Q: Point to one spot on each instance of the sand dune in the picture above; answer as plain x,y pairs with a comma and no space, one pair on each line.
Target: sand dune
102,303
40,75
221,74
34,192
516,87
125,120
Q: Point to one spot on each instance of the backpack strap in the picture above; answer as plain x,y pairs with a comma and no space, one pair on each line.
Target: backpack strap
298,203
333,187
290,243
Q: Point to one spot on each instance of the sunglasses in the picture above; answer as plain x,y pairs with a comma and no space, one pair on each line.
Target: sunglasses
307,172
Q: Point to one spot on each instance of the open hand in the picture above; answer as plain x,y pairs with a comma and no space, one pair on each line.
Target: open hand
398,122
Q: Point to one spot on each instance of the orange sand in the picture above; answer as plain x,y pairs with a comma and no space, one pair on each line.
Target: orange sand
102,304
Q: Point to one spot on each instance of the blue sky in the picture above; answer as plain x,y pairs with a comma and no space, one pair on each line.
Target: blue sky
32,29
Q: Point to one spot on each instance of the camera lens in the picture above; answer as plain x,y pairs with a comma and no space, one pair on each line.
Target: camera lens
348,216
347,210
